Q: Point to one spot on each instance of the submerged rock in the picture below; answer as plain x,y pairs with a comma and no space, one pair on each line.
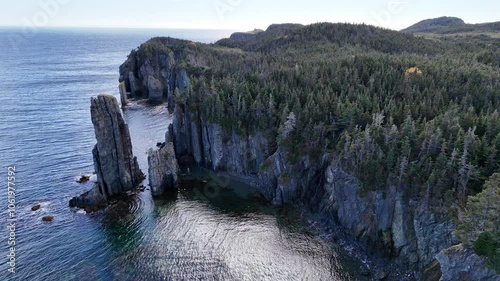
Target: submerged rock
48,218
36,207
83,179
163,168
116,167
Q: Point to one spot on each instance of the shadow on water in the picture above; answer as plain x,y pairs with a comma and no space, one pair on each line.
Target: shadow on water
243,216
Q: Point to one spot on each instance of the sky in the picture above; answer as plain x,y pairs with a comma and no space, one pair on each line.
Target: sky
236,14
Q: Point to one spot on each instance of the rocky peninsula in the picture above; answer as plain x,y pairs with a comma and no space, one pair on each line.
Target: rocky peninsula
203,85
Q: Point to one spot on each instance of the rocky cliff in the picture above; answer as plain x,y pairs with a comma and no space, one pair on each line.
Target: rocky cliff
163,167
390,224
116,167
152,72
461,263
385,221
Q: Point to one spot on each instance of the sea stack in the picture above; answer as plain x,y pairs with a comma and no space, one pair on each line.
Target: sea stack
163,167
116,167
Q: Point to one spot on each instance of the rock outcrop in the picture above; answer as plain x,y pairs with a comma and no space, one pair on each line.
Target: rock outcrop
116,167
214,147
163,167
461,263
123,94
385,221
155,75
245,35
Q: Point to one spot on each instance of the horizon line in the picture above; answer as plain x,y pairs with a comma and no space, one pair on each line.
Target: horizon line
118,27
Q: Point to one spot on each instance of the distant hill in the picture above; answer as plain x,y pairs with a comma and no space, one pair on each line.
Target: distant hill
245,35
452,26
316,36
435,25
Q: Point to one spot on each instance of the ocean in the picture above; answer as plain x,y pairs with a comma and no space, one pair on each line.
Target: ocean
46,82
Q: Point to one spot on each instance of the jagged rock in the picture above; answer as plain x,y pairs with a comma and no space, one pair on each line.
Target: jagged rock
157,76
433,272
432,235
212,146
91,198
462,263
123,94
116,167
155,90
134,83
163,168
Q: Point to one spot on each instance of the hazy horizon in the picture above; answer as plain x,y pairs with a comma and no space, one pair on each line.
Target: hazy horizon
234,14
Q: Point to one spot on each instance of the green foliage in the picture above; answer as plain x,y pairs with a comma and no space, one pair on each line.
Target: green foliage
488,244
482,213
490,58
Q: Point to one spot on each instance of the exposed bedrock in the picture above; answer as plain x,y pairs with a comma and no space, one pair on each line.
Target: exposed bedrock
163,167
123,94
154,76
462,263
116,167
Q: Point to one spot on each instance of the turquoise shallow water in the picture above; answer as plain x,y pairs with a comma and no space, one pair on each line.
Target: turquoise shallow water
198,234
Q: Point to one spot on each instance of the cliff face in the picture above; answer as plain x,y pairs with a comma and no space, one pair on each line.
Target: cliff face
462,263
213,146
153,74
386,222
116,167
163,167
